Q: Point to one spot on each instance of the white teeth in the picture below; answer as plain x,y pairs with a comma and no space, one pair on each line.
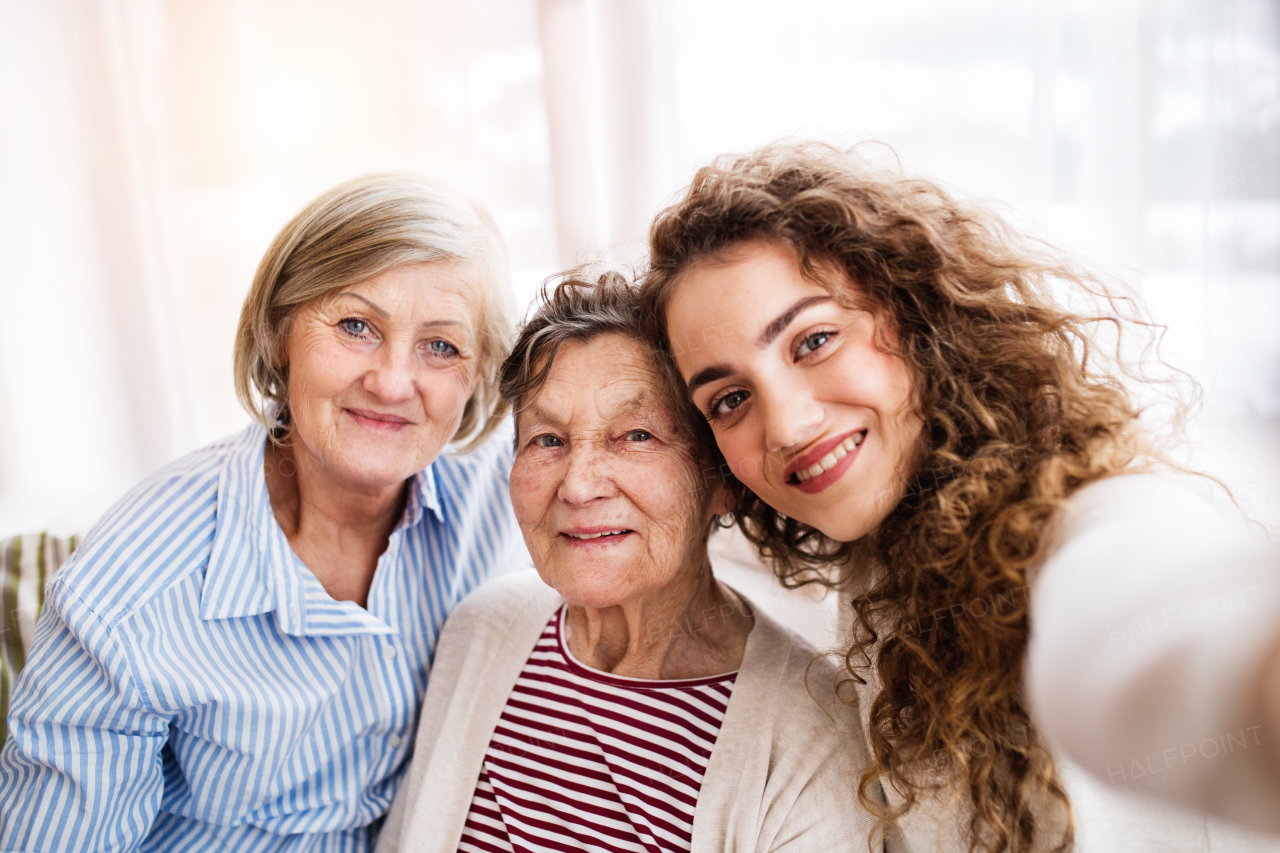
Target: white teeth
827,462
596,535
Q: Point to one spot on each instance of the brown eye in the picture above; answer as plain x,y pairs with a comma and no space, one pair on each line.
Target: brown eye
724,406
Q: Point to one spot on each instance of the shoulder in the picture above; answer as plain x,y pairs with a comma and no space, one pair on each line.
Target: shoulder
798,687
158,533
485,643
512,601
790,754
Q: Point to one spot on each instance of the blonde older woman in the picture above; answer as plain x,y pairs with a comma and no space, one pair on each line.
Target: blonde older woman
622,698
234,658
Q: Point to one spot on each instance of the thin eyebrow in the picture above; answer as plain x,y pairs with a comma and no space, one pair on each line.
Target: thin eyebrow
784,319
381,313
433,323
637,403
539,416
384,315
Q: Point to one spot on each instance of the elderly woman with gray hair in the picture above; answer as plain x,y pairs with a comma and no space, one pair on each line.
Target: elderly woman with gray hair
234,658
621,698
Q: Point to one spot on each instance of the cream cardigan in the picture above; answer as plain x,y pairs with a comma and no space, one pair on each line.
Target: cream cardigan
782,777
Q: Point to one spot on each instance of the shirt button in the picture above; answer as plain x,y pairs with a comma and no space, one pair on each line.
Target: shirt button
389,652
394,740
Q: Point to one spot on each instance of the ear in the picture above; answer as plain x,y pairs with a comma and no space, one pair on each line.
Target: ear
721,500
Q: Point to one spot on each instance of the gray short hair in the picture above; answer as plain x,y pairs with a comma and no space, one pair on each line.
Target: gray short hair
353,232
580,305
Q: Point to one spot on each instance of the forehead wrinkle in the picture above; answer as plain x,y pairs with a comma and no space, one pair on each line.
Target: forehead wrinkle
533,410
636,404
640,402
450,307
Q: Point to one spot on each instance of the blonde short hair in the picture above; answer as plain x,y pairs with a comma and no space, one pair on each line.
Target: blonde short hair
353,232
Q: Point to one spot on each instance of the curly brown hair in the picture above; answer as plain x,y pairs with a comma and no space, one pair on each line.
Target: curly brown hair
1020,409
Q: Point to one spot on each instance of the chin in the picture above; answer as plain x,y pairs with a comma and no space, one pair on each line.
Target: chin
847,523
844,532
596,588
377,473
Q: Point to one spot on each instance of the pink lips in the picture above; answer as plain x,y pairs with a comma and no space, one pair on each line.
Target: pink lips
826,478
381,421
572,535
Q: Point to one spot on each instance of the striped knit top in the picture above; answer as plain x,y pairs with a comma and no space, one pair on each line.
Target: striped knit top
584,760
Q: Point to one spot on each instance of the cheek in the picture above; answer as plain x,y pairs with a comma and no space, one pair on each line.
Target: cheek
666,490
318,371
898,407
744,454
446,393
532,486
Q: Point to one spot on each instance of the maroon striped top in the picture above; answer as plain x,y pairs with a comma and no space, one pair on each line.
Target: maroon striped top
584,760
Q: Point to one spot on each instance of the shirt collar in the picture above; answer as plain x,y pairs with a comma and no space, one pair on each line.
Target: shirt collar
252,569
423,494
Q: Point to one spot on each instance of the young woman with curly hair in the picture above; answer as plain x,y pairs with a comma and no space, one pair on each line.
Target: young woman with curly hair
907,409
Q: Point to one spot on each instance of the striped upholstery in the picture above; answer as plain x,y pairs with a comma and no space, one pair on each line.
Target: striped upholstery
26,562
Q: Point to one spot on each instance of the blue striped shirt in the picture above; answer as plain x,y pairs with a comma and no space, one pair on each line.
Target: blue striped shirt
191,686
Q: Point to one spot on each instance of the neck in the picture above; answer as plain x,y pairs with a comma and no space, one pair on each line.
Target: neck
337,531
693,628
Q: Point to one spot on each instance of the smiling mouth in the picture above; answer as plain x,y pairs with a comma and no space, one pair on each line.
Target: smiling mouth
379,419
596,535
829,461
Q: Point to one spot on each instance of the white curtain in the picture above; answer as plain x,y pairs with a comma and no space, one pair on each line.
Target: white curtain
151,148
1144,135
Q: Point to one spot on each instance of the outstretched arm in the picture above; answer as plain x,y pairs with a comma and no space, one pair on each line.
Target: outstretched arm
1155,630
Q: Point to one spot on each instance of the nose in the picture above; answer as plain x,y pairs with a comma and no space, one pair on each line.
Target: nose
587,476
792,417
390,378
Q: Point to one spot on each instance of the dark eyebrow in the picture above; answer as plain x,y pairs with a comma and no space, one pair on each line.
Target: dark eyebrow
708,374
770,333
784,319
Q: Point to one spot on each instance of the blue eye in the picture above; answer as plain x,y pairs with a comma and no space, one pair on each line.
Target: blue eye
812,342
638,435
442,348
548,441
354,326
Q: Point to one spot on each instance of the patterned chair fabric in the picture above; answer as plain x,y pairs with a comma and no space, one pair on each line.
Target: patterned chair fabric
26,562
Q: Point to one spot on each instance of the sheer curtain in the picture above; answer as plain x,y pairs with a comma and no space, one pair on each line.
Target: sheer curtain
151,148
1143,135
